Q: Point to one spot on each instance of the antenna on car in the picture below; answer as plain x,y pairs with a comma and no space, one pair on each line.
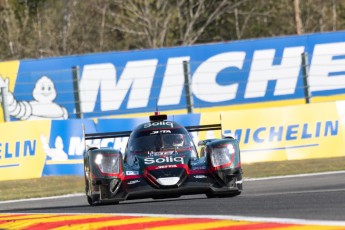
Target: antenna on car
157,112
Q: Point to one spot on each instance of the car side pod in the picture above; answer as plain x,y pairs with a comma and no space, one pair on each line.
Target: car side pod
223,156
103,175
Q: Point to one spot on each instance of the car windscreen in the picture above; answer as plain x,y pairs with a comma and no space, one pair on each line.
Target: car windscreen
160,140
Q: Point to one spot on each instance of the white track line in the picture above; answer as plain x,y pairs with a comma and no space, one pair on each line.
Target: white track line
43,198
223,217
294,176
245,179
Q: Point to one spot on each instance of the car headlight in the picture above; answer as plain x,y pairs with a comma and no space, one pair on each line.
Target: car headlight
108,163
223,156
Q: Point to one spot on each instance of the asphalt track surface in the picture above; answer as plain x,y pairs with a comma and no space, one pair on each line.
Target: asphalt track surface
308,197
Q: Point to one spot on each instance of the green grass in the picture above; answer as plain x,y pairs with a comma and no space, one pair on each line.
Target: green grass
41,187
53,186
283,168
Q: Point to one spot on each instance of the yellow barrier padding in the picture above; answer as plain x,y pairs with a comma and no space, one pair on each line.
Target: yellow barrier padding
287,133
9,70
21,149
207,119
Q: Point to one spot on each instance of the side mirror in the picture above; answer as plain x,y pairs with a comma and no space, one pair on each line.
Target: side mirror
202,143
228,136
202,152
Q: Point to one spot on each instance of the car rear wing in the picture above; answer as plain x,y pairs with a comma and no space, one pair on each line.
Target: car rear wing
198,128
92,136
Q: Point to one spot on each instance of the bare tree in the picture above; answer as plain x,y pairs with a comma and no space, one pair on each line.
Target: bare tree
196,15
298,20
334,15
148,19
12,27
160,22
241,25
42,28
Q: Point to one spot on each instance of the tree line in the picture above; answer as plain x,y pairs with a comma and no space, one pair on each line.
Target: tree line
45,28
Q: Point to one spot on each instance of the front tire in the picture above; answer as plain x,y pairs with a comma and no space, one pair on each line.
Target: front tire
93,200
89,200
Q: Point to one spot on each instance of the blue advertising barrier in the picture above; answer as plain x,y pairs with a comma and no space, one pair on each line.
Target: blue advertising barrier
65,148
47,148
222,74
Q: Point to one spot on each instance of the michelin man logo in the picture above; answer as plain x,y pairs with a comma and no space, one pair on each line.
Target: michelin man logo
57,153
43,105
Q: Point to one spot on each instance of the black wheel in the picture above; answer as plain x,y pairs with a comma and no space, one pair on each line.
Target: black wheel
93,200
89,200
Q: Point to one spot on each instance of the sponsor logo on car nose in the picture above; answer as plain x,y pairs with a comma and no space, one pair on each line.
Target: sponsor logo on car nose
162,160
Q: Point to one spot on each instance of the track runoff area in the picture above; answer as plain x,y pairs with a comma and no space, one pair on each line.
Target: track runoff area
141,221
110,220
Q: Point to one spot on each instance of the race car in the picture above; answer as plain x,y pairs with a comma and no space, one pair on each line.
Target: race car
162,161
